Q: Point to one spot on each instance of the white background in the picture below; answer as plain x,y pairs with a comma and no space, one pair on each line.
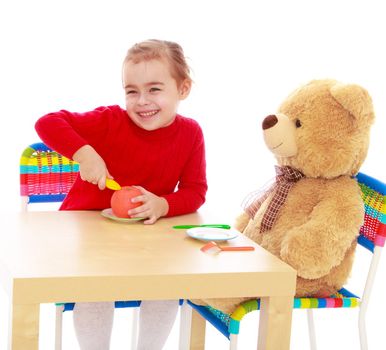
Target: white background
246,56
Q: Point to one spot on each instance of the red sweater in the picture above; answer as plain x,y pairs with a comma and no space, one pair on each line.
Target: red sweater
169,162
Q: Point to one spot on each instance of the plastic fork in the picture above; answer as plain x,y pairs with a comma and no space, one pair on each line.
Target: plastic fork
185,227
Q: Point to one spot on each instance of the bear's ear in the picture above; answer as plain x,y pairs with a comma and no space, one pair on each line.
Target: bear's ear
356,100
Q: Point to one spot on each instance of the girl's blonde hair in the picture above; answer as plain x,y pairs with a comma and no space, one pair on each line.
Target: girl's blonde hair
161,49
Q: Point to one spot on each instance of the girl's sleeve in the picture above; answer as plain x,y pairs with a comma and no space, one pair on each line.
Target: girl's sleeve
192,187
66,132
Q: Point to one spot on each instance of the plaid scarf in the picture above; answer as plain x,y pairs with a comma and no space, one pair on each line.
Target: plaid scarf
285,178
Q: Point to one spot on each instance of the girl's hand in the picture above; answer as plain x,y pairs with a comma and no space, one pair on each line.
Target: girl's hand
92,167
153,207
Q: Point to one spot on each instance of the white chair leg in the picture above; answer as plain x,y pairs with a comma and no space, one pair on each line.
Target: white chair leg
185,326
134,327
362,328
58,326
311,329
233,341
366,296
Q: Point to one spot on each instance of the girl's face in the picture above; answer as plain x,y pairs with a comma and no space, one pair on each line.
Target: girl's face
152,94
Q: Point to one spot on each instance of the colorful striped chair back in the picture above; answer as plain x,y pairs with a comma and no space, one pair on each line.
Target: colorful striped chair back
45,175
372,236
373,230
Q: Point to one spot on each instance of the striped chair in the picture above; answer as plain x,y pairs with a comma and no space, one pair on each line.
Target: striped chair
372,236
45,177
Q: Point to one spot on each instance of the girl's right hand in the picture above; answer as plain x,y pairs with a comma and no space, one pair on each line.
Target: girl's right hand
92,167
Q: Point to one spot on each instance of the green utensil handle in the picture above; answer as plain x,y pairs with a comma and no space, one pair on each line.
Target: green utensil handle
184,227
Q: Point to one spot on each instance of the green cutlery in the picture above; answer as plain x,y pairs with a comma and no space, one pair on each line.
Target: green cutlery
184,227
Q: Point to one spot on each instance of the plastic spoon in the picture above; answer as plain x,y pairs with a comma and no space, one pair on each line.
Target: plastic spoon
213,247
112,184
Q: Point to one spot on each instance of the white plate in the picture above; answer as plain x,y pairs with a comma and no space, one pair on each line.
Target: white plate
212,233
108,213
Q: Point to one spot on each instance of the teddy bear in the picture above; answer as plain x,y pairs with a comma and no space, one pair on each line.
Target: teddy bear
311,215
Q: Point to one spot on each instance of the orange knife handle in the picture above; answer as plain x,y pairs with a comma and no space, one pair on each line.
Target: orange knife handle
237,248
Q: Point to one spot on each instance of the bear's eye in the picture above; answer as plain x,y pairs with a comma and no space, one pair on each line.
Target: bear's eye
298,123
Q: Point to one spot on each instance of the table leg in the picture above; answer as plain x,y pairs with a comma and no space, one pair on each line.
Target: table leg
24,327
197,335
275,323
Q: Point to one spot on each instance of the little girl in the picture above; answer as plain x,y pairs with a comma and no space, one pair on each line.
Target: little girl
148,145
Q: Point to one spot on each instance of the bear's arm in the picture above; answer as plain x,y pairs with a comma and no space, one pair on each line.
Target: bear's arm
321,243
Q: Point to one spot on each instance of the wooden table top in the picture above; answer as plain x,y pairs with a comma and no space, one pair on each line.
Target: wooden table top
80,254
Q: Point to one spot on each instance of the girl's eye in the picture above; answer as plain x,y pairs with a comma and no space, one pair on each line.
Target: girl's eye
129,92
154,89
298,123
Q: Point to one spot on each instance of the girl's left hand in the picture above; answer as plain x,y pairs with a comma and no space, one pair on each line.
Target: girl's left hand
153,207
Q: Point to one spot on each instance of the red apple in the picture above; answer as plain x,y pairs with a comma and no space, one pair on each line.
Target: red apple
121,201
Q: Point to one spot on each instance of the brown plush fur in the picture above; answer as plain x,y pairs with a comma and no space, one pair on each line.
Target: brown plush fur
316,228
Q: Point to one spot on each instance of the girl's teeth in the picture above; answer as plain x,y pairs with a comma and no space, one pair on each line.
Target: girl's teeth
148,114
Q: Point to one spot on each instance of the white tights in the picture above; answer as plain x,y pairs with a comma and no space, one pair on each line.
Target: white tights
93,323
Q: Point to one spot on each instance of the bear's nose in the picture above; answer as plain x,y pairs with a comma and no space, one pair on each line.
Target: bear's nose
269,121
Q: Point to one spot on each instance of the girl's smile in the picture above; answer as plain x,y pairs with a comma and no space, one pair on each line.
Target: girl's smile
148,114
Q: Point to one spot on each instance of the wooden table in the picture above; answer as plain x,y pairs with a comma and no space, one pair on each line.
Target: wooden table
81,256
